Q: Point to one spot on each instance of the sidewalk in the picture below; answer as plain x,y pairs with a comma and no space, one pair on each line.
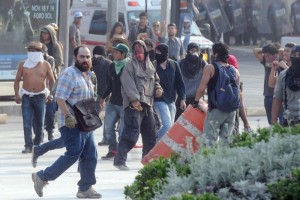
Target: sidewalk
16,169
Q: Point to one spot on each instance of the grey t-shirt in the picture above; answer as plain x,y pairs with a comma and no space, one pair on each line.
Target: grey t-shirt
175,48
74,33
293,98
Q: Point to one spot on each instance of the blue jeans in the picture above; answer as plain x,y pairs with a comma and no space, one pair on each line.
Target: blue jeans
166,113
33,106
268,101
49,117
51,108
113,114
79,146
48,146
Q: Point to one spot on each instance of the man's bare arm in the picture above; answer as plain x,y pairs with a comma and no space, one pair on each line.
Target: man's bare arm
258,54
50,77
63,106
17,83
208,72
276,106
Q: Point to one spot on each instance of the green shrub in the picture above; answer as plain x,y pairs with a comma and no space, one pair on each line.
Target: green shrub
151,178
287,189
204,196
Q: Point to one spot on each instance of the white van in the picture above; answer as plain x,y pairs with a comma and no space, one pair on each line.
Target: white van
93,27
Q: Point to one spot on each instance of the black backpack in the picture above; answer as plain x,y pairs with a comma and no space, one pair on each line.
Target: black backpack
225,95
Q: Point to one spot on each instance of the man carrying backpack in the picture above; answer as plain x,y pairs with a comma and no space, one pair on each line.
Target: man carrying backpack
221,81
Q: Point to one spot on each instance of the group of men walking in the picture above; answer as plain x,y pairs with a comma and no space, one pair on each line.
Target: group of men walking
139,92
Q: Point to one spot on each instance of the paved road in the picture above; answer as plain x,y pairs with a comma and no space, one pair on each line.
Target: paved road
16,169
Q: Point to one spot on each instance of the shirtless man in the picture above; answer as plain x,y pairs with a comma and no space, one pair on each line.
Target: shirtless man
34,71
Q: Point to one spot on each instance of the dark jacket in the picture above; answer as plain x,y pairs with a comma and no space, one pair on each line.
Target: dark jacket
100,67
114,86
171,82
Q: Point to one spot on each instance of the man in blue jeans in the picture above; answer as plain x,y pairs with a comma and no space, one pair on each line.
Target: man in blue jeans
114,108
172,83
74,85
266,56
34,71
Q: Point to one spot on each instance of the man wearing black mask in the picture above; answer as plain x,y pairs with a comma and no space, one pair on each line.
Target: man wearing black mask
172,83
287,91
191,67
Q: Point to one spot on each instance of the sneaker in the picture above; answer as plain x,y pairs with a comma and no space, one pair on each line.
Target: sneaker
50,136
89,194
39,184
122,167
109,156
34,157
102,143
27,150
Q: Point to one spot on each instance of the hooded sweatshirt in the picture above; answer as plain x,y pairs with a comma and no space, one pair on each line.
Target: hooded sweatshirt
54,48
138,83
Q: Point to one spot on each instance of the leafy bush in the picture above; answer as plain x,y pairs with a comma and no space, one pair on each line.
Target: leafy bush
287,189
151,178
237,172
205,196
231,173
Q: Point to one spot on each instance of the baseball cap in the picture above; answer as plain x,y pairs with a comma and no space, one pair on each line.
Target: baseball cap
77,14
122,47
35,45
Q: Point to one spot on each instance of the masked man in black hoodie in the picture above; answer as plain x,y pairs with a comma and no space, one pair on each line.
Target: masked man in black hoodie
100,67
191,68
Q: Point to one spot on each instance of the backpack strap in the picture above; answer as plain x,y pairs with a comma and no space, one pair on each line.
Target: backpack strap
172,62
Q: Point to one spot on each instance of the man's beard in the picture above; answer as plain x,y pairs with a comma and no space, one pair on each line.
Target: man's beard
84,67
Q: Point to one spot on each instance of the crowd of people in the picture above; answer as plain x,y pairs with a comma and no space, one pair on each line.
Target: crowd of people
144,82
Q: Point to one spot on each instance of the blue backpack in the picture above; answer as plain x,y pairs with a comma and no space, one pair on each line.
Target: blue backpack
225,95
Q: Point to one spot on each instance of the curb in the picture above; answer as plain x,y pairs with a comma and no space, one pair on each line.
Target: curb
255,111
15,110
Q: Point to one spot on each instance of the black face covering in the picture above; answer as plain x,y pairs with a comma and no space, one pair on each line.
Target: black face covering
193,58
151,55
296,66
161,57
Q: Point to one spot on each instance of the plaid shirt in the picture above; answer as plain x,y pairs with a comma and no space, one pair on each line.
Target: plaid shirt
72,86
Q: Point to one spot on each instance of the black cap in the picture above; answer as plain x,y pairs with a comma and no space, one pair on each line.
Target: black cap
163,48
295,49
193,45
99,50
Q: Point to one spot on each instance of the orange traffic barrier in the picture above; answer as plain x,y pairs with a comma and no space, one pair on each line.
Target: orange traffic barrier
189,124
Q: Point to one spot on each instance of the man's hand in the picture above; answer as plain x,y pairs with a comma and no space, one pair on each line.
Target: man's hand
18,99
101,103
70,121
49,99
275,65
158,92
137,105
182,105
195,104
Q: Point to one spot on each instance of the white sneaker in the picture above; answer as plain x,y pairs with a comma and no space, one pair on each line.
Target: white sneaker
90,194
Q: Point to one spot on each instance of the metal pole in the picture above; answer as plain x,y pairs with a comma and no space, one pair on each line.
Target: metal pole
64,10
165,11
112,15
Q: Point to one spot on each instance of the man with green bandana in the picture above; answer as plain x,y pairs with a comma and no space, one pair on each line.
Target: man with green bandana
114,108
